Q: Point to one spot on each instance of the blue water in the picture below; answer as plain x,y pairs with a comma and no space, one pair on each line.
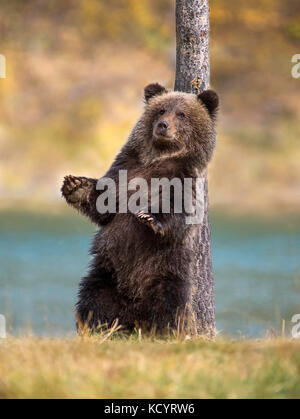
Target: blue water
42,257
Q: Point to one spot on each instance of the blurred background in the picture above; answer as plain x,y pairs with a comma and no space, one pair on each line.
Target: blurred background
75,72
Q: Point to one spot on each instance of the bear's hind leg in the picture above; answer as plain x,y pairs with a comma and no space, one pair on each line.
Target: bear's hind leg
98,304
166,301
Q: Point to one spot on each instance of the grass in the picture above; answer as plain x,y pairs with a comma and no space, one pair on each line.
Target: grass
109,366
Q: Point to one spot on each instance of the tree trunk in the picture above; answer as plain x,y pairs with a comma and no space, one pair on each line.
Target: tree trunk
192,75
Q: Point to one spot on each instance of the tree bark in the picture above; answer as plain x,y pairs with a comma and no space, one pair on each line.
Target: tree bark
192,75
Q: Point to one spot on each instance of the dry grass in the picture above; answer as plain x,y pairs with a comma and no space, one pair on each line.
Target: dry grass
109,366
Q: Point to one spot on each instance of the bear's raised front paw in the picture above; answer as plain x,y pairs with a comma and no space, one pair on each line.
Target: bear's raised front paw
150,220
76,189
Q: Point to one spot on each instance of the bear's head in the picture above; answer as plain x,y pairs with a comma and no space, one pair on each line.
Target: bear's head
177,121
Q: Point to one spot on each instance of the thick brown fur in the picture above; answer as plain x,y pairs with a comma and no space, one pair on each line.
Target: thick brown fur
143,265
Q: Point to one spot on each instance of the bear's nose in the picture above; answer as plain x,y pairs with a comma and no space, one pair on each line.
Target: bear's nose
163,125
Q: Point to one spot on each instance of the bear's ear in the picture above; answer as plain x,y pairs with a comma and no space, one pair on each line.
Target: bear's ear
153,89
210,100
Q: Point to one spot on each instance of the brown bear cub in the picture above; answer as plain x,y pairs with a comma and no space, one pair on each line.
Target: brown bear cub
143,267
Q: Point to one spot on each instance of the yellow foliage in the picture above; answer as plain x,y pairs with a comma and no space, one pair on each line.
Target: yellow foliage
76,70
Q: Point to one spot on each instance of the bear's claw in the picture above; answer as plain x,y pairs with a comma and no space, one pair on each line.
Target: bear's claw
75,189
150,221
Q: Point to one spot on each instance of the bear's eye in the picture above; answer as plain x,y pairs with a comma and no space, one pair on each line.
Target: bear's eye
181,115
161,112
